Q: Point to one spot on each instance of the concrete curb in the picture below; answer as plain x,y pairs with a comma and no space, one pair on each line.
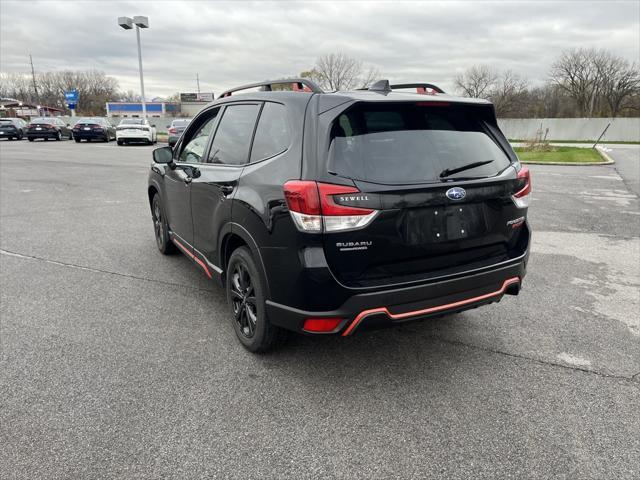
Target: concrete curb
607,161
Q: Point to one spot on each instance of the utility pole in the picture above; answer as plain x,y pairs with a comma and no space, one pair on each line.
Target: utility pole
198,82
33,77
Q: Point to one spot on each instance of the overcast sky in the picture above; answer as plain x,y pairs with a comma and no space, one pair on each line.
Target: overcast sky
231,43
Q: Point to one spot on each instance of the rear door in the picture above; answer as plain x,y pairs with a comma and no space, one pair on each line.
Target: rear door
434,180
215,186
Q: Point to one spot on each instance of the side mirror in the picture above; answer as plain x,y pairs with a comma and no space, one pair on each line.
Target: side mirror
163,155
68,124
168,126
153,125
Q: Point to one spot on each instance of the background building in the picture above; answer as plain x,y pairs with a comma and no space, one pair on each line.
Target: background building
134,109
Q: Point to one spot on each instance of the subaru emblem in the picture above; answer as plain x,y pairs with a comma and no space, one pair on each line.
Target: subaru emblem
456,193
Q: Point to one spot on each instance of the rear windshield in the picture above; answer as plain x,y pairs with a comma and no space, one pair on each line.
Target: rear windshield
180,123
411,143
132,121
91,120
44,120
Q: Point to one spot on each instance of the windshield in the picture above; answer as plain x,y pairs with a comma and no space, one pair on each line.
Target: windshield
132,121
412,143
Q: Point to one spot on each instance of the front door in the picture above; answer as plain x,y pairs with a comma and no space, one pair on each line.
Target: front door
187,157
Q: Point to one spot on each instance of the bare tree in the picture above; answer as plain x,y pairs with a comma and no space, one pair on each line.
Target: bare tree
620,81
597,80
129,96
477,82
508,94
338,71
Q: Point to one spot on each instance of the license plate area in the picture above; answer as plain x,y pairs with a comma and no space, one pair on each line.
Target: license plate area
442,224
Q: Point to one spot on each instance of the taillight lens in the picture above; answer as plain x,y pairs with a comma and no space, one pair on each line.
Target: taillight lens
173,131
313,208
522,197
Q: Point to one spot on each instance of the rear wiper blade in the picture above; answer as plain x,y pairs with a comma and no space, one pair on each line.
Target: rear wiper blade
448,172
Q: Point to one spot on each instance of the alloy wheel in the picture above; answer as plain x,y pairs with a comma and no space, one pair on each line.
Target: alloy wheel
158,225
243,300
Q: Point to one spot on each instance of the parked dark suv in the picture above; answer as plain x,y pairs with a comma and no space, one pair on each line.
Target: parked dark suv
331,213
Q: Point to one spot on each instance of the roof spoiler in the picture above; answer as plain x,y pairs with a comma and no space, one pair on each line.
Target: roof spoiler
298,84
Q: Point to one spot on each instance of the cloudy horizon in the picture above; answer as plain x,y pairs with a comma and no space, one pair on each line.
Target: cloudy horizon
232,43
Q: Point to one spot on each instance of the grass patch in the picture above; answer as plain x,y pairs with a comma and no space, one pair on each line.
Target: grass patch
560,154
617,142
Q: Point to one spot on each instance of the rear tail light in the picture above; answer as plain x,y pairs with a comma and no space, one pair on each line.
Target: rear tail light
321,325
173,131
313,208
522,197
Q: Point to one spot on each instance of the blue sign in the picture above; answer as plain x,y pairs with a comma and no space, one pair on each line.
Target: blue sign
71,106
71,96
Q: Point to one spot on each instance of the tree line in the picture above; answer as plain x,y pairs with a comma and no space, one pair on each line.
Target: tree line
581,83
94,87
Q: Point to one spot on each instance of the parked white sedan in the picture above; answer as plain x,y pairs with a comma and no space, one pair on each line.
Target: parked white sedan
131,130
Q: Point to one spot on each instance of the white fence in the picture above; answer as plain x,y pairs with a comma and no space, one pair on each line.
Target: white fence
621,129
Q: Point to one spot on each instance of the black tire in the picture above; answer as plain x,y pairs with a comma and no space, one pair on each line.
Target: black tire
120,142
245,294
160,227
77,140
58,136
30,139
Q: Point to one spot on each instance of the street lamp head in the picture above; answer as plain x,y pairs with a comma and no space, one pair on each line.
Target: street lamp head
125,22
142,22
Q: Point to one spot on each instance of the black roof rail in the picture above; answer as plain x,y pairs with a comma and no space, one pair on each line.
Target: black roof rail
420,87
298,84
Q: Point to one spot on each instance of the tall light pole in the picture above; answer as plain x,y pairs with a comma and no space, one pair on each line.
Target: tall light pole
140,22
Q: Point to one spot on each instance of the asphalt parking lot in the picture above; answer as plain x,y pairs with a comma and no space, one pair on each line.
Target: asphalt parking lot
118,362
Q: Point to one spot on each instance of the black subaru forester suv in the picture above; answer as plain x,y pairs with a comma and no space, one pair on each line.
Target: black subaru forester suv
331,213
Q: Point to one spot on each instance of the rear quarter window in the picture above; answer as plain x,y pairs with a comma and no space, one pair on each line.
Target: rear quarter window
272,134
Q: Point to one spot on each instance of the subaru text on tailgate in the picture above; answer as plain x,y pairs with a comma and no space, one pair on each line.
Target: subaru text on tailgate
332,213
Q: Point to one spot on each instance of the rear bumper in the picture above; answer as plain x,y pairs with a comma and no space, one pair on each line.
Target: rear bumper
10,134
138,136
53,134
81,135
398,305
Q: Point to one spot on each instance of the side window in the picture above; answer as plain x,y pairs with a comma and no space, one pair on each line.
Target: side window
193,149
272,136
233,138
